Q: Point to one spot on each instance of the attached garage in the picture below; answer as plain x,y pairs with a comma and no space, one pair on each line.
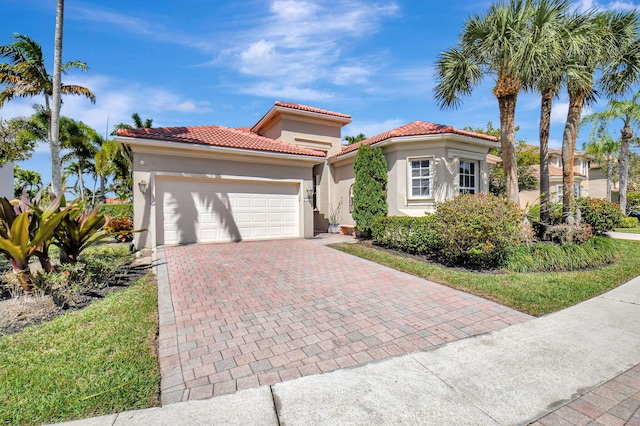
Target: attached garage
218,210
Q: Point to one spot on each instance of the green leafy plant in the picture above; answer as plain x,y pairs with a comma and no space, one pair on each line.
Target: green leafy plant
79,230
476,230
25,232
602,215
416,235
114,211
370,187
565,233
629,222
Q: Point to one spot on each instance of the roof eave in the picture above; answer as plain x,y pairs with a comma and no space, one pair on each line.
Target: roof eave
187,146
276,109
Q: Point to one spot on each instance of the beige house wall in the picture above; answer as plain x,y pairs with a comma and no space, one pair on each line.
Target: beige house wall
445,154
6,181
150,164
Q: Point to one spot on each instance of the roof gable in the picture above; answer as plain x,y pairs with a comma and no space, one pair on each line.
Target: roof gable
240,138
415,128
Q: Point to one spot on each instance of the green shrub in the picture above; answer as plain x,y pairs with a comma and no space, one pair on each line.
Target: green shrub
602,215
629,222
565,233
416,235
555,214
544,257
370,187
633,202
476,230
118,211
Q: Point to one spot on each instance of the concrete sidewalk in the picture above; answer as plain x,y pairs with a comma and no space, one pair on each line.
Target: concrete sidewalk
513,376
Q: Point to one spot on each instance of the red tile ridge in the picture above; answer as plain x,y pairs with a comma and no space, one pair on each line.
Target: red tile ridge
311,109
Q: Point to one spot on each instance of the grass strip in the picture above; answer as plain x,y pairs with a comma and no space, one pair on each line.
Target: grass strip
628,230
536,293
96,361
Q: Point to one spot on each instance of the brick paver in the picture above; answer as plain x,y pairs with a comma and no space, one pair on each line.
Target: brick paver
236,316
616,402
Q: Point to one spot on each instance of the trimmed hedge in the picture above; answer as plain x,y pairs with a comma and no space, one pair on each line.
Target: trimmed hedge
415,235
541,257
120,211
602,215
471,230
629,222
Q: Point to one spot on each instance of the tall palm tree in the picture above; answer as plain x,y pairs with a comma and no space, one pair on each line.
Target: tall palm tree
82,143
629,112
604,149
138,123
612,48
355,139
54,134
558,32
25,75
105,163
497,43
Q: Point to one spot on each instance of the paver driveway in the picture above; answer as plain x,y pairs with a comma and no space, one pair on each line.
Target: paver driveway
236,316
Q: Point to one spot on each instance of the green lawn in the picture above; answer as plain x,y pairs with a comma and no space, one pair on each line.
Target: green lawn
629,230
95,361
534,293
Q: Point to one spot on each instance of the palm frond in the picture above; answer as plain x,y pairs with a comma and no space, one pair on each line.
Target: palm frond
78,90
457,74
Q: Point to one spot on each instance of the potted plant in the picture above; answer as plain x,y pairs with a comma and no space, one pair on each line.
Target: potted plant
334,225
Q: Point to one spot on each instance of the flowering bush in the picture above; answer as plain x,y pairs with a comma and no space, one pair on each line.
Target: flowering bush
121,229
602,215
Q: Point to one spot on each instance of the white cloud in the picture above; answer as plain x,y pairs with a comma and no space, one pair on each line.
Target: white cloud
584,5
286,92
302,43
372,128
559,112
115,102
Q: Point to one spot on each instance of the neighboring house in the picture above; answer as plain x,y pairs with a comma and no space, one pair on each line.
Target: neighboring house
281,177
598,183
582,185
6,181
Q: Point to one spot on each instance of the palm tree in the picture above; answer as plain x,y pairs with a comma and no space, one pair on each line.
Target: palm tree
54,124
25,75
355,139
558,32
105,163
604,148
26,179
83,144
629,112
499,44
138,123
611,47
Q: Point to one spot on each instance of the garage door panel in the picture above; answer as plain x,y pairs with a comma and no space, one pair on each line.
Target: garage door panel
216,211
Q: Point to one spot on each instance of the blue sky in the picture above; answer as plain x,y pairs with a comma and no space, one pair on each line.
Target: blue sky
198,62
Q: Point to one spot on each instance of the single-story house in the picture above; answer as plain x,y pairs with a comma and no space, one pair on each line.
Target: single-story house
6,181
281,177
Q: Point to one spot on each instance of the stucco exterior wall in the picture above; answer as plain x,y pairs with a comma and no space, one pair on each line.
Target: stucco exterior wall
322,135
6,181
445,155
149,166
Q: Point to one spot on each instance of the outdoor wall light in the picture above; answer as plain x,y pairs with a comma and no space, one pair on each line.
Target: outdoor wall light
309,192
143,186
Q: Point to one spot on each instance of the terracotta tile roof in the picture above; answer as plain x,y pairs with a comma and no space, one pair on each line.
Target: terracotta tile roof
554,171
311,109
221,136
415,129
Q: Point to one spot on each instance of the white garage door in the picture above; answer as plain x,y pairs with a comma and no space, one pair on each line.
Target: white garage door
222,211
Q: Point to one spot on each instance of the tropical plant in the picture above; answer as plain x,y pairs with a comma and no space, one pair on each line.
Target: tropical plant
17,142
80,229
25,75
629,112
105,163
602,215
25,233
370,187
56,102
355,139
123,179
497,43
605,150
28,180
82,144
611,47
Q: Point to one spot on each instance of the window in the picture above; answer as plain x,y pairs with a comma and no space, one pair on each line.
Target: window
420,178
468,179
584,167
577,191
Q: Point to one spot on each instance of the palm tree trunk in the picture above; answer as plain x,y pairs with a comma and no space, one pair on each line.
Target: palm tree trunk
545,124
569,137
626,135
102,188
609,176
80,182
54,142
507,104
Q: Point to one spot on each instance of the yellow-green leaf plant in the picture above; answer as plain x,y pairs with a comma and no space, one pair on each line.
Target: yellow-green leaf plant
79,230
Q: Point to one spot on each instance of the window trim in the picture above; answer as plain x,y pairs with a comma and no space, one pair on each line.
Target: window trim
476,175
409,177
